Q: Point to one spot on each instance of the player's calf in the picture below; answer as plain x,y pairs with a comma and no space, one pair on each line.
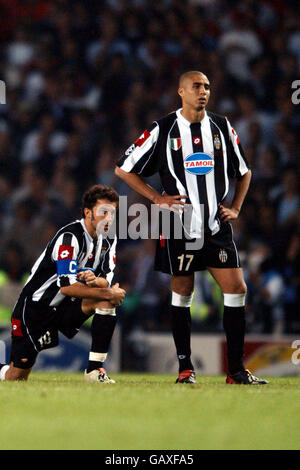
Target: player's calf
102,329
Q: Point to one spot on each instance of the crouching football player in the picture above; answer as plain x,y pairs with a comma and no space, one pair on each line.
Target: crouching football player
70,281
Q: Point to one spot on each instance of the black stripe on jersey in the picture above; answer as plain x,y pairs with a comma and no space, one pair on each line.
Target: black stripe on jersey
219,162
104,262
67,239
201,179
52,290
64,282
90,261
83,250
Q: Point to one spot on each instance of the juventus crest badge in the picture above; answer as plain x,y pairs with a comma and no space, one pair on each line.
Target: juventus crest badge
223,255
217,142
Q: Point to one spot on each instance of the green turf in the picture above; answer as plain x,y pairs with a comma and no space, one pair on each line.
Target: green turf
60,411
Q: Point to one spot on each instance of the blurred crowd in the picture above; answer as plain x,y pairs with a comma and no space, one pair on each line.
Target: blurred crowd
85,78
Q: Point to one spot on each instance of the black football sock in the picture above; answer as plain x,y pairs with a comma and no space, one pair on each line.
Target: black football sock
102,329
181,328
234,326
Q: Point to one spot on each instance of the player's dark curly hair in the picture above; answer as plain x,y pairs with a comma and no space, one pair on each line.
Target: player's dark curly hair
96,192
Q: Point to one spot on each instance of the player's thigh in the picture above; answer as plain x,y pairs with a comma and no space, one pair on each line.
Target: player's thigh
230,280
183,285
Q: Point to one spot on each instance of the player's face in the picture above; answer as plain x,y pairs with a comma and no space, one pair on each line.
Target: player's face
195,92
101,217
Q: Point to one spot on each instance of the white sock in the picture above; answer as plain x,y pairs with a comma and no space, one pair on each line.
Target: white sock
3,371
99,357
181,300
106,311
234,300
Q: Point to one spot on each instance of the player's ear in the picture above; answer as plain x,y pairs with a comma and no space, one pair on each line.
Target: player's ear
86,212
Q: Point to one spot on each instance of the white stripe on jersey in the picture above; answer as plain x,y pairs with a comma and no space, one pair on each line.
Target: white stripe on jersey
57,299
191,180
98,251
39,292
112,254
208,147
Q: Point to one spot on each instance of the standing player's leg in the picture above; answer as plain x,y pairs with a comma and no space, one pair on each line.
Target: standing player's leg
102,329
182,294
231,282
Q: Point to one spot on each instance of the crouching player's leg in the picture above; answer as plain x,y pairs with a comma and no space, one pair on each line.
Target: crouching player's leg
23,350
102,329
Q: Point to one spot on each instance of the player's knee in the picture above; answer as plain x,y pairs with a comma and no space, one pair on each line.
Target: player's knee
241,288
185,289
238,288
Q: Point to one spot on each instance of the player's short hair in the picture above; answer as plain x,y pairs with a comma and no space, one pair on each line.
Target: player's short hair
187,74
96,192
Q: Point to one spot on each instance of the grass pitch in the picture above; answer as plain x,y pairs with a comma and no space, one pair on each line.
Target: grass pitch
143,411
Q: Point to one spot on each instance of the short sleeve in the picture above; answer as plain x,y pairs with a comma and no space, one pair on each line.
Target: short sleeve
238,165
142,156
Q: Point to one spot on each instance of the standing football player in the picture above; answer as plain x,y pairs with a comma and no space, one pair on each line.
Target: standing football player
69,282
196,152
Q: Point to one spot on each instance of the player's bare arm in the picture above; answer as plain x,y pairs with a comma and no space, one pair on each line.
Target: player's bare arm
139,185
114,294
241,189
91,280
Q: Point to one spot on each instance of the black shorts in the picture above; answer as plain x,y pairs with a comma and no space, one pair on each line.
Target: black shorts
35,327
218,251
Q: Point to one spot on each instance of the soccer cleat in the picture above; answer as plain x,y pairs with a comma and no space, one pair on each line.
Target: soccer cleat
186,377
245,378
98,375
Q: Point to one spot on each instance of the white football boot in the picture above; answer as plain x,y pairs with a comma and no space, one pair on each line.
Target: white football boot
98,375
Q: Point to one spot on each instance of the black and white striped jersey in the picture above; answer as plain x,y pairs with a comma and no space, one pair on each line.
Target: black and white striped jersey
72,249
193,159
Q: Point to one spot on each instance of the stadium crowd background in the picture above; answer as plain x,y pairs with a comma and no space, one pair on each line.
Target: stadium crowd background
85,78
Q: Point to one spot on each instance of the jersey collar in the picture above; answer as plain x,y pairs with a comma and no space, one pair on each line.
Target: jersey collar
90,238
185,121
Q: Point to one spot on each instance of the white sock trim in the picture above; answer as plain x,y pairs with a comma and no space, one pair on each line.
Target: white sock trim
99,357
181,300
105,311
3,371
234,300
